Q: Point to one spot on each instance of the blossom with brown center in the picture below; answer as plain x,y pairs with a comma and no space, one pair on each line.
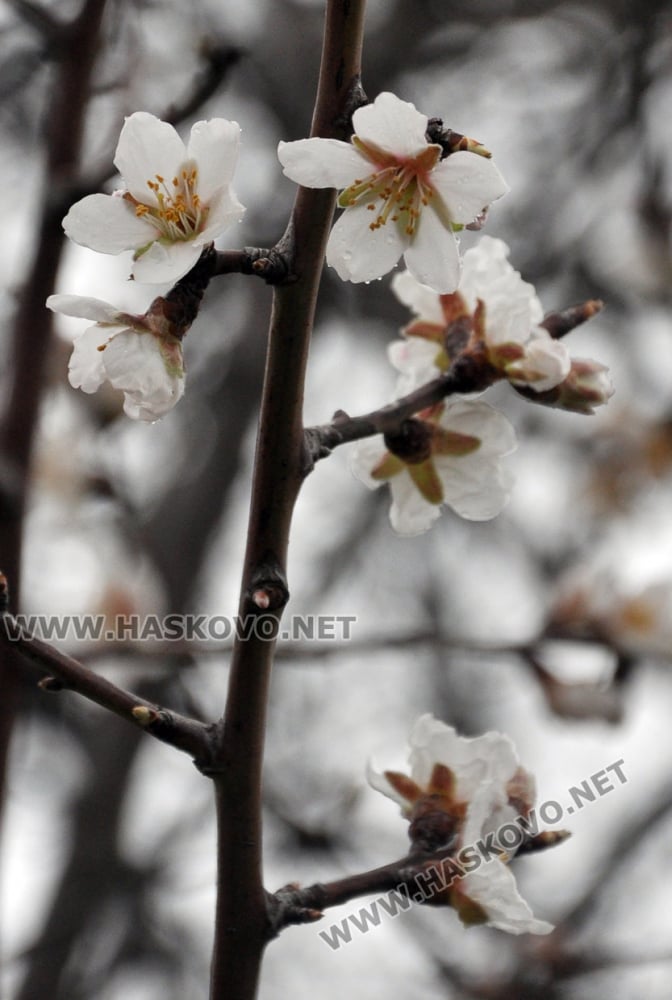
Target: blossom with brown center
400,196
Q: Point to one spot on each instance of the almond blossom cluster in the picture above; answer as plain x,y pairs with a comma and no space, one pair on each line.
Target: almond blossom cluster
459,791
405,191
495,318
402,195
176,200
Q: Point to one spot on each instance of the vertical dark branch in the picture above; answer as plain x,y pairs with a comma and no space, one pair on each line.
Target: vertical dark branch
75,47
241,925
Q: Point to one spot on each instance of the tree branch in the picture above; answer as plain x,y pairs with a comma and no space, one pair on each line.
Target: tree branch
241,930
463,376
63,671
424,876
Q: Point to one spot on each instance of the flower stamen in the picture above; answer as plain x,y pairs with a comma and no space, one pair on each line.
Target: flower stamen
402,185
178,212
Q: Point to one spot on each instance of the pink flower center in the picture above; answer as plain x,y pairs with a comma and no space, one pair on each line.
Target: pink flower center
397,190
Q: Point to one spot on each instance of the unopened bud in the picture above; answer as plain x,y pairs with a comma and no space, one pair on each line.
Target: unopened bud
561,323
588,385
452,141
143,715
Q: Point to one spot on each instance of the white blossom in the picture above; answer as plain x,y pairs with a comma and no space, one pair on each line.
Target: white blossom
177,199
477,785
508,321
465,442
124,350
400,197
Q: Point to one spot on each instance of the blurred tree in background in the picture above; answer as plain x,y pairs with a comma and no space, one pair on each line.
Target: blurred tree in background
551,623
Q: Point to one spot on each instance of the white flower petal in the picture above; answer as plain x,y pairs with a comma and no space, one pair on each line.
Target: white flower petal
359,253
494,888
432,257
414,357
223,210
472,759
421,299
134,363
468,416
214,145
545,364
86,368
319,163
365,456
513,308
467,183
84,308
410,514
107,224
148,147
166,261
378,781
393,125
476,489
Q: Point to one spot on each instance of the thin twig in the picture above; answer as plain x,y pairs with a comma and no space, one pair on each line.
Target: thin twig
463,376
63,671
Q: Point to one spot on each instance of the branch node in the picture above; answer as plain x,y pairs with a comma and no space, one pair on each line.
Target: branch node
51,684
268,590
144,716
271,265
355,98
291,905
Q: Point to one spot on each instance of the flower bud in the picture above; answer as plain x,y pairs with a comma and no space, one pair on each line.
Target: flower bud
588,385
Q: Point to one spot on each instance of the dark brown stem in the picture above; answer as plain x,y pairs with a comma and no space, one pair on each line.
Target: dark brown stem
423,876
462,377
271,265
293,905
63,671
241,930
